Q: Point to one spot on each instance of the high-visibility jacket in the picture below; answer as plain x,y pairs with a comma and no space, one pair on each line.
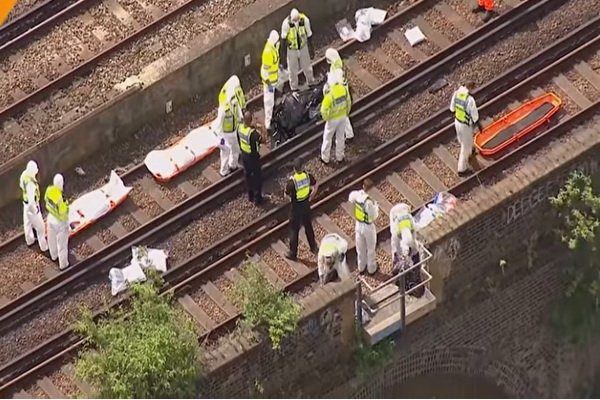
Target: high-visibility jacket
404,222
360,212
328,249
24,181
461,101
297,36
336,103
244,133
336,64
269,71
55,204
302,185
239,96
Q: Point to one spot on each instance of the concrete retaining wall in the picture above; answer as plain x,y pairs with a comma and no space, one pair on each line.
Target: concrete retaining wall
199,68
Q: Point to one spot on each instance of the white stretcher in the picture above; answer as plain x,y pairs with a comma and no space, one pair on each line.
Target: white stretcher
94,205
170,162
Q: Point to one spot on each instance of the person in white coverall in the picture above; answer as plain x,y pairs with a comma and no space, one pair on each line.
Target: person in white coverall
335,110
296,32
269,74
405,252
58,222
232,103
366,211
332,256
466,117
32,215
336,66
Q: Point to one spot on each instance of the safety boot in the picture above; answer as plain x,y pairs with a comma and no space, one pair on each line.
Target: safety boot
478,8
487,16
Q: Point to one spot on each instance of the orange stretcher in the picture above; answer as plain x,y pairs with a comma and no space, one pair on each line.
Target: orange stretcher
517,124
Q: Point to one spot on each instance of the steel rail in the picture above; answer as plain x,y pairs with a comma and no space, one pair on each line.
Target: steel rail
400,151
74,277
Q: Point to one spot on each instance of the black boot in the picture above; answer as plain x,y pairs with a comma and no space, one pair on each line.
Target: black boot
487,16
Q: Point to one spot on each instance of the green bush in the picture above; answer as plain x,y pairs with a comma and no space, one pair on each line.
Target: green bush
261,302
577,316
149,350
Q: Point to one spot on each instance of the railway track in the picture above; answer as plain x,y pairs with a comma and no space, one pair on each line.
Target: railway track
394,162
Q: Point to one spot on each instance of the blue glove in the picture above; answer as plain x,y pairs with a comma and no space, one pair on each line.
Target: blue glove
270,88
222,142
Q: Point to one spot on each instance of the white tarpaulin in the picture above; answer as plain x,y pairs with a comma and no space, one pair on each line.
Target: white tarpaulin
196,145
442,204
94,205
142,258
365,18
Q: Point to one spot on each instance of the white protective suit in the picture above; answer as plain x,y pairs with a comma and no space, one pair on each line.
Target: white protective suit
269,91
403,242
228,143
341,128
365,234
298,59
58,233
32,215
333,246
332,55
464,132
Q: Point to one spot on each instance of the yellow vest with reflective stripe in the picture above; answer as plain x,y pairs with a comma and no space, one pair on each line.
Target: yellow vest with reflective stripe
244,132
336,64
228,120
297,36
269,71
460,108
360,212
302,185
328,248
404,222
336,103
25,179
55,204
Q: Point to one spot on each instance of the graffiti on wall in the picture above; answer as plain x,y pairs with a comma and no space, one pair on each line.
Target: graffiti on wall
540,193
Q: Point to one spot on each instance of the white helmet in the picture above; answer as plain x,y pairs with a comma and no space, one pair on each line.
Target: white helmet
294,15
58,181
273,37
32,168
331,54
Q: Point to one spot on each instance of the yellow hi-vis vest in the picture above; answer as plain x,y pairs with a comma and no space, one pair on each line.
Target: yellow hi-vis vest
336,103
460,108
302,185
244,132
228,119
336,64
297,36
404,222
269,71
328,249
231,115
360,212
55,204
26,179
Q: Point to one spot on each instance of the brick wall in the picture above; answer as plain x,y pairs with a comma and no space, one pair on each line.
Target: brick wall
493,324
307,362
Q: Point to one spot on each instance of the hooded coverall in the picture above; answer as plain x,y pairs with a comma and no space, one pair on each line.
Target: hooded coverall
366,211
269,74
465,117
58,225
232,103
296,35
333,247
32,216
335,109
404,246
335,64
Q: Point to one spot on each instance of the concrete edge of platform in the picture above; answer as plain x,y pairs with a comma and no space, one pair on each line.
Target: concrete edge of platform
197,68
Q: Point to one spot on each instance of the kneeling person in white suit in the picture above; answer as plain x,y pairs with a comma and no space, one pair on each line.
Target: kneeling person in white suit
332,256
58,222
32,215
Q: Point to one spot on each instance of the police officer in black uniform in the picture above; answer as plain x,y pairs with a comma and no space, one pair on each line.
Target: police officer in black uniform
250,141
301,187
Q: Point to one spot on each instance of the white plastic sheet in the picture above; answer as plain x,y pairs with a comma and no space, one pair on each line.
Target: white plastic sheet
94,205
442,204
196,145
142,258
414,36
365,18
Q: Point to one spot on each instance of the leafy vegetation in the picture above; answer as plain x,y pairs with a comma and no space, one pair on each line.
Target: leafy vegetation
262,303
149,350
368,358
577,316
